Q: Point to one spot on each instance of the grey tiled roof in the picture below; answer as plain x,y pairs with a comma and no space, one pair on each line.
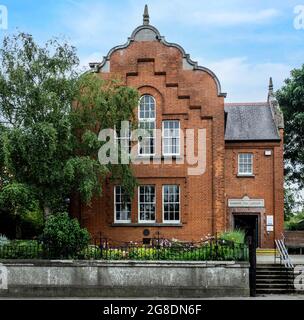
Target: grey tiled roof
249,121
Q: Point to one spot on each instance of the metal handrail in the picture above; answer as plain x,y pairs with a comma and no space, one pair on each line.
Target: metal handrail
284,256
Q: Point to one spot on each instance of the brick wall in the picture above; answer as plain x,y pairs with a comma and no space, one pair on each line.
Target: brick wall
190,96
267,184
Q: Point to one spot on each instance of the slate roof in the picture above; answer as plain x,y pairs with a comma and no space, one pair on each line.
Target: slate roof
249,122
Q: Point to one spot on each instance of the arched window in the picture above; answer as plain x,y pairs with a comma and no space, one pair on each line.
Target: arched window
147,119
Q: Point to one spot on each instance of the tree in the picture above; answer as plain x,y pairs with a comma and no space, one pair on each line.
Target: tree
291,100
289,202
52,116
18,198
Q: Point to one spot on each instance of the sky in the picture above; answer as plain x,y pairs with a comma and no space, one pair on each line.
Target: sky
243,42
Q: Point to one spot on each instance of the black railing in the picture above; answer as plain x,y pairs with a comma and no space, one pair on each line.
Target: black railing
214,250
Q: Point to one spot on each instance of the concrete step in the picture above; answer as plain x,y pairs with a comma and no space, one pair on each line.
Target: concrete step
273,280
271,267
274,286
275,274
270,270
274,291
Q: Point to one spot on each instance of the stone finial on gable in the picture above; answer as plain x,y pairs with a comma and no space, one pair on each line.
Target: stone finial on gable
270,87
275,108
146,19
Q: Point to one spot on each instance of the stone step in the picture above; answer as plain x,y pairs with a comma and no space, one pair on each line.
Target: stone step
273,270
275,274
273,280
274,267
274,286
274,291
270,265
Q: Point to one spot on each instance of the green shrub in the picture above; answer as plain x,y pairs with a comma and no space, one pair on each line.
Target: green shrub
63,237
143,253
235,236
21,249
32,222
114,254
296,222
90,253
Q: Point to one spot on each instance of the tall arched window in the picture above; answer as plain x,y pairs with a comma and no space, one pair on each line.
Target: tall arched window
147,119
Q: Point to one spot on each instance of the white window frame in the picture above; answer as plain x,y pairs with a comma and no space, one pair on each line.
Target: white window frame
139,218
118,139
163,139
147,120
115,219
248,173
163,203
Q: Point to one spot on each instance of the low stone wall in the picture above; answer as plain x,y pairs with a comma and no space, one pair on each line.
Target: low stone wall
123,279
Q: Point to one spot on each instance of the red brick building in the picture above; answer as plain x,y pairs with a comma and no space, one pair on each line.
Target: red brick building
241,184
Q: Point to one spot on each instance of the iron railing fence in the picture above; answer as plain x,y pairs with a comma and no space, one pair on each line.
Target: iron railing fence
215,250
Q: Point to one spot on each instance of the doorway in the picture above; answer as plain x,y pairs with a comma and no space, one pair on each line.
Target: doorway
249,223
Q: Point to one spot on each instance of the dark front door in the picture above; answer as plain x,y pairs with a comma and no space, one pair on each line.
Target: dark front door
249,224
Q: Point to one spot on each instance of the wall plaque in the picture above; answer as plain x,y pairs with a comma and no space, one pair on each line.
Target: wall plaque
246,202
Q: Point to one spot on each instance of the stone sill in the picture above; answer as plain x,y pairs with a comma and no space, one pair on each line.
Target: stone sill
245,175
146,225
155,157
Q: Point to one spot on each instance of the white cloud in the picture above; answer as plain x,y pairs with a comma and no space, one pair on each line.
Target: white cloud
233,18
96,26
97,23
247,81
94,57
217,14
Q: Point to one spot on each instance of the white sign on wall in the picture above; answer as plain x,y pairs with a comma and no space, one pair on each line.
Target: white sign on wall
269,223
246,202
269,220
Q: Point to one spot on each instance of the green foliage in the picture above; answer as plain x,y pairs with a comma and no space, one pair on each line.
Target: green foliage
289,202
144,253
235,236
63,236
91,252
291,100
295,222
32,222
36,83
52,117
206,252
21,249
17,198
3,240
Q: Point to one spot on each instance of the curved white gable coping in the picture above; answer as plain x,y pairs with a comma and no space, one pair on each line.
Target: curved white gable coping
150,33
